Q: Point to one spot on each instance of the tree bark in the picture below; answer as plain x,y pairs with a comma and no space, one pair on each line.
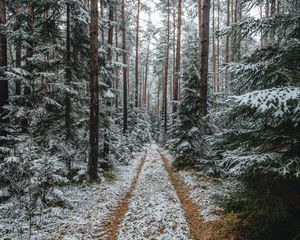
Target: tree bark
166,73
3,63
125,70
214,48
146,73
117,57
68,75
234,39
227,46
199,17
94,96
218,51
178,59
110,31
204,57
137,54
68,82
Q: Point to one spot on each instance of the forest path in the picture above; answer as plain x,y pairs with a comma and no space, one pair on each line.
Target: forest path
157,205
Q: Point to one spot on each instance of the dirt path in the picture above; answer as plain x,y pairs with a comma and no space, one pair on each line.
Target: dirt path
191,210
157,206
109,230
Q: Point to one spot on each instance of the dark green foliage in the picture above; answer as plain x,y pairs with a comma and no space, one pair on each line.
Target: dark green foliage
187,143
257,134
269,209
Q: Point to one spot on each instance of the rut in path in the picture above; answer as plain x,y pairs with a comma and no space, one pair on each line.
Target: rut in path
111,225
157,205
191,210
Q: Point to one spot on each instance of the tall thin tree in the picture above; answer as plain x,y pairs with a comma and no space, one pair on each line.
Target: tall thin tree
166,72
125,70
146,72
94,95
68,82
204,57
137,53
117,72
227,46
68,73
3,61
178,58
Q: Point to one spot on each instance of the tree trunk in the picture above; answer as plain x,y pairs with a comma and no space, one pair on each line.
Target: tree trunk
94,96
239,55
137,54
174,57
166,72
178,59
18,55
3,63
204,57
218,51
102,17
234,39
68,82
214,48
110,31
28,89
125,70
227,47
117,57
68,75
199,17
146,73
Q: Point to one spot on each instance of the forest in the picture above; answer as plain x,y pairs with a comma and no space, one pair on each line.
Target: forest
150,119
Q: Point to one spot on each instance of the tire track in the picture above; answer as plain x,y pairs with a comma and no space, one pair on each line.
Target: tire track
109,229
190,209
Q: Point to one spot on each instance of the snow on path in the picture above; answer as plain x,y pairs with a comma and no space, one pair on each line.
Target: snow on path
91,203
154,211
204,190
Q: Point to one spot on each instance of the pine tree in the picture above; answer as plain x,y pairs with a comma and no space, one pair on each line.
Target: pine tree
259,131
188,145
125,70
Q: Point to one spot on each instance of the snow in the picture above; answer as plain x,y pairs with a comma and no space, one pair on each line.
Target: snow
155,211
277,101
204,190
89,204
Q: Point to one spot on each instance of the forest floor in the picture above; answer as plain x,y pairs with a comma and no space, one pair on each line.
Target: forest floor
146,200
163,204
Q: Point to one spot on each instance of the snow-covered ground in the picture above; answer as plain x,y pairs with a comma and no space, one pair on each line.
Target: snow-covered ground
204,191
90,204
155,211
